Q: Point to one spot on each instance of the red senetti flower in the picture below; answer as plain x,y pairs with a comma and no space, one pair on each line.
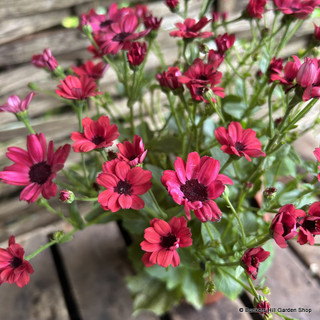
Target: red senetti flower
172,4
238,141
15,105
13,268
299,9
133,153
120,35
170,79
35,168
91,70
45,60
162,240
92,19
137,53
316,152
199,77
252,259
307,73
96,134
190,29
124,185
77,89
195,185
309,225
284,224
151,22
224,42
255,8
316,32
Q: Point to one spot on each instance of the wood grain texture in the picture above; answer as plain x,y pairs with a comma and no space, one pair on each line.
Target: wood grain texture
42,298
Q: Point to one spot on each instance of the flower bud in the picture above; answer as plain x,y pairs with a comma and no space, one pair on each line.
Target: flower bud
263,305
87,29
308,72
173,5
266,290
316,32
269,193
58,235
66,196
210,287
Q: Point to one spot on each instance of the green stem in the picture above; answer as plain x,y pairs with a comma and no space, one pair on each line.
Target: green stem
161,214
271,123
174,112
239,281
87,199
209,231
254,291
226,264
84,168
226,165
28,126
217,110
257,243
104,154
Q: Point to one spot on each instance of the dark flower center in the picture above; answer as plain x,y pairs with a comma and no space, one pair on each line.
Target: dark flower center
40,172
105,23
203,77
168,241
15,262
97,140
123,187
311,225
194,191
120,36
240,146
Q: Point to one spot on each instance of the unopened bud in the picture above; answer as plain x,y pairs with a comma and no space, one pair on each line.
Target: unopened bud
203,48
249,185
269,193
87,29
226,192
33,86
111,155
58,235
207,93
266,290
66,196
210,287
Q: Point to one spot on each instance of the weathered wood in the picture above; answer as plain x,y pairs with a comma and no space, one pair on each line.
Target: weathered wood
224,309
292,286
97,268
41,298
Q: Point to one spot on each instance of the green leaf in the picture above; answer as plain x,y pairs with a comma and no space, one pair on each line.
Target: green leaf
233,106
75,216
205,235
218,154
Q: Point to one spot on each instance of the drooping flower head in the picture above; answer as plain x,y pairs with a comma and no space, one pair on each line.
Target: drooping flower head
251,260
15,105
224,42
170,79
123,186
200,77
133,153
238,141
284,224
255,8
77,89
309,224
91,70
13,268
162,239
299,9
172,4
195,185
35,168
45,60
137,53
96,135
151,22
190,29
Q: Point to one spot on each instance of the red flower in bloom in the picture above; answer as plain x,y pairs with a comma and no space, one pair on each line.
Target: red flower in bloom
162,240
120,35
195,185
92,19
15,105
316,152
35,168
77,89
316,32
224,42
308,72
124,185
45,60
151,22
13,268
238,141
298,8
284,224
275,67
91,70
137,53
96,134
200,77
170,79
215,58
172,4
132,153
190,29
251,260
255,8
309,225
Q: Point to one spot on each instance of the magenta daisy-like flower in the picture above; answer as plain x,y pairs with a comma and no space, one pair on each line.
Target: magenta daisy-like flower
35,168
162,239
190,29
251,260
195,185
239,141
45,60
299,9
13,268
96,135
15,105
169,80
77,89
132,153
123,186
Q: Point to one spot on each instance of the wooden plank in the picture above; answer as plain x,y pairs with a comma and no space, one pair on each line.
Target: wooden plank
97,268
41,298
292,286
16,28
223,309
